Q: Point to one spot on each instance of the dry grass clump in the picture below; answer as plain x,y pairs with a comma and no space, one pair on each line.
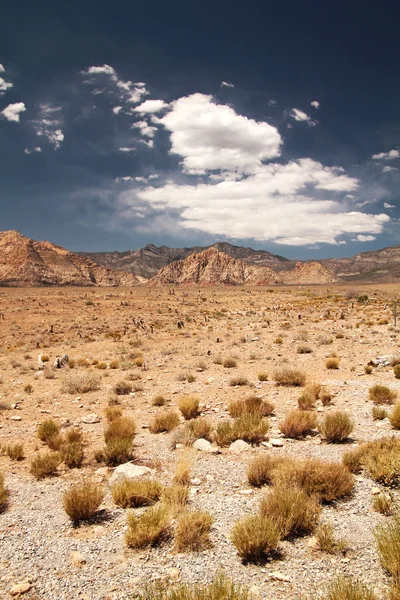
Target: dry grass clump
114,364
118,438
15,451
395,416
332,363
292,510
113,412
102,366
229,363
116,452
252,405
81,362
249,428
387,538
122,388
28,388
336,426
221,588
255,537
82,500
159,400
260,470
326,540
47,430
304,349
182,471
193,531
72,454
45,464
368,369
189,406
379,413
165,421
262,376
193,430
298,423
380,459
130,493
325,396
308,398
345,588
150,529
290,377
239,380
383,504
396,371
3,493
381,394
80,383
176,497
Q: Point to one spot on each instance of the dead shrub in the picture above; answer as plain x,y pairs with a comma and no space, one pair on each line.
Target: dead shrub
164,422
345,588
189,406
396,371
292,510
176,497
260,470
379,413
193,531
326,540
182,471
3,493
336,426
47,430
113,412
130,493
239,381
80,383
304,349
229,363
381,394
122,388
81,362
116,452
15,451
114,364
193,430
82,500
395,416
253,405
102,366
262,376
387,538
221,588
380,459
72,454
159,400
150,529
298,423
290,378
325,396
120,428
332,363
45,464
255,537
249,428
383,504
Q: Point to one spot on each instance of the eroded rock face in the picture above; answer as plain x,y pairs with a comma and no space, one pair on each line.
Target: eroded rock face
309,273
26,262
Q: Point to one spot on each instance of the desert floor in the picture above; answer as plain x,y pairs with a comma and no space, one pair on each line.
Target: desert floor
36,535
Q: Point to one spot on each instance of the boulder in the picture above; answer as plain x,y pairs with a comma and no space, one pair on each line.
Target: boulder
239,446
205,446
129,471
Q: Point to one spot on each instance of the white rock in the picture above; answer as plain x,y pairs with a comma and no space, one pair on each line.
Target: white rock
129,471
195,481
203,445
276,443
91,419
20,588
15,418
239,446
76,558
278,576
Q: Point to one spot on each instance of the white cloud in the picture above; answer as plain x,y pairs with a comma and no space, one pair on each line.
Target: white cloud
125,179
387,205
135,95
272,103
387,169
315,104
126,91
126,149
12,111
391,155
2,69
49,124
117,109
102,70
4,86
154,176
145,129
299,115
212,136
31,150
141,179
151,106
364,238
227,84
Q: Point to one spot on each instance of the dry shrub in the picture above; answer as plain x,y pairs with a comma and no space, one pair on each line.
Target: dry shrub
229,363
326,540
260,469
255,537
15,451
120,428
182,471
165,421
80,383
388,544
45,464
193,531
221,588
336,426
130,493
176,497
159,400
292,510
3,493
122,388
73,436
278,340
252,405
150,529
114,364
381,394
47,430
101,365
379,413
249,428
345,588
298,423
304,349
383,504
307,400
81,362
72,454
290,378
139,360
368,369
193,430
189,406
28,388
325,396
395,416
239,380
263,376
332,362
82,500
396,371
116,452
380,459
353,459
113,412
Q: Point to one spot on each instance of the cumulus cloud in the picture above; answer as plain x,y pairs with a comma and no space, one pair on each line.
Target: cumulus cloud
211,136
102,70
151,106
299,115
49,124
227,84
2,69
145,129
126,91
4,85
364,238
315,104
117,109
391,155
12,111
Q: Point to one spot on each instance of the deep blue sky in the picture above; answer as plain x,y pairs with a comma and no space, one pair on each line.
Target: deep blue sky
252,162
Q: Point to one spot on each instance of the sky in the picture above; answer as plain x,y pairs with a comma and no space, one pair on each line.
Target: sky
264,124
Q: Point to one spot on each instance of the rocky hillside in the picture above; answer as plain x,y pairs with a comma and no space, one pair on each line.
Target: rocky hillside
212,267
377,265
24,261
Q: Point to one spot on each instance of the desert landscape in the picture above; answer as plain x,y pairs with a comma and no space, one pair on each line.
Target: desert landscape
199,432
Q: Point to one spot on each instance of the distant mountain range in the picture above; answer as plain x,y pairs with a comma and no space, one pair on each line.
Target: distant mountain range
24,261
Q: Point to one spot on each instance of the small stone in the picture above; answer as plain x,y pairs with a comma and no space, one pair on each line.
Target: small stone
246,492
20,588
375,491
76,558
129,471
174,573
278,576
91,419
15,418
276,443
195,481
239,446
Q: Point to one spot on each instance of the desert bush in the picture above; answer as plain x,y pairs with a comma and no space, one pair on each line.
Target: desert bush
73,435
218,360
120,428
80,383
165,421
28,388
396,371
116,452
249,428
290,377
193,531
353,459
326,540
122,388
383,504
113,412
221,588
395,416
324,340
381,394
278,340
72,454
255,537
252,405
182,471
260,470
336,426
292,510
345,588
379,413
239,380
3,493
81,362
307,400
48,372
304,349
380,459
159,400
150,529
82,500
262,376
176,497
114,364
192,431
339,335
189,406
47,430
368,369
102,366
15,451
131,493
191,378
229,363
45,464
332,362
387,538
325,396
298,423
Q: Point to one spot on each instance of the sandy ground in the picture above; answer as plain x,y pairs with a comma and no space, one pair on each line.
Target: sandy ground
36,536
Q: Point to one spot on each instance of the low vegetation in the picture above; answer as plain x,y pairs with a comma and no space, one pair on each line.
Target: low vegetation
45,464
189,406
82,500
292,510
193,531
132,493
80,383
298,423
381,394
346,588
290,378
221,588
150,528
336,426
164,422
255,537
249,428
